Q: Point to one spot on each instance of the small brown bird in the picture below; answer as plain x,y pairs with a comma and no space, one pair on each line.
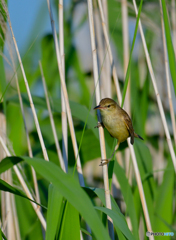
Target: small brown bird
117,122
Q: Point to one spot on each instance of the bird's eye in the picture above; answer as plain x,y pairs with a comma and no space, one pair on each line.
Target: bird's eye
109,106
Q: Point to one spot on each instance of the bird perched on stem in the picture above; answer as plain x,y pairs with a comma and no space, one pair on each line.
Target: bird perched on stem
117,122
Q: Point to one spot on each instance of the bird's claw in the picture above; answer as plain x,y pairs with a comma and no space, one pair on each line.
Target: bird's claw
104,162
99,125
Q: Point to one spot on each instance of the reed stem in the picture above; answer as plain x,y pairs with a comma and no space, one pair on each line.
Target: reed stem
62,163
101,131
64,89
160,106
64,114
168,76
138,178
25,128
23,184
27,86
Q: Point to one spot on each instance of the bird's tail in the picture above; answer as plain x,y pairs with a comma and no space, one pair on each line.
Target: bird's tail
138,136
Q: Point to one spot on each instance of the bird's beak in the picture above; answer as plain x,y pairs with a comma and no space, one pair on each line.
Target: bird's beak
98,107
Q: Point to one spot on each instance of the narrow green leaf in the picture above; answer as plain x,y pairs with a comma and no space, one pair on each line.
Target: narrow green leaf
2,236
100,193
144,161
30,226
164,200
144,106
128,197
71,190
117,221
85,231
9,162
3,29
8,188
170,48
111,165
70,224
3,87
55,209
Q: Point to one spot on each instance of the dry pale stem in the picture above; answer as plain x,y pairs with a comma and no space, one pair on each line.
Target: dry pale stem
25,124
27,87
29,195
168,76
64,114
114,73
141,191
52,121
125,66
64,89
142,196
9,227
160,106
107,65
101,131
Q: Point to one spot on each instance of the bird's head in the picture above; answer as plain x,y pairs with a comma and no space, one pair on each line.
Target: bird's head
106,105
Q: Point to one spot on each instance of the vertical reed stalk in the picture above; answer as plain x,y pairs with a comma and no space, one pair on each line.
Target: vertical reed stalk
100,52
141,191
70,121
25,127
138,178
160,106
101,131
23,184
114,72
3,176
65,101
103,58
15,218
125,50
107,65
6,198
64,114
28,144
27,86
125,66
168,76
10,223
62,163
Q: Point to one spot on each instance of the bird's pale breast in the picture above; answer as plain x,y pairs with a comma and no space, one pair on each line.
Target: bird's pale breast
116,127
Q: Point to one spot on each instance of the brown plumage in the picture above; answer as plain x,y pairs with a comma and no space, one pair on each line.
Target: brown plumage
116,121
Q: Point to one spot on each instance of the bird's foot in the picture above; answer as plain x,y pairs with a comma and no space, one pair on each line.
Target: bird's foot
99,125
104,162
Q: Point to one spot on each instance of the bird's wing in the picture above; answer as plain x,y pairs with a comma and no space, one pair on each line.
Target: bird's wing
129,126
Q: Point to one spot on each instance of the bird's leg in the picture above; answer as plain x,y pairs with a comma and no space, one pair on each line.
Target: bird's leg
105,161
